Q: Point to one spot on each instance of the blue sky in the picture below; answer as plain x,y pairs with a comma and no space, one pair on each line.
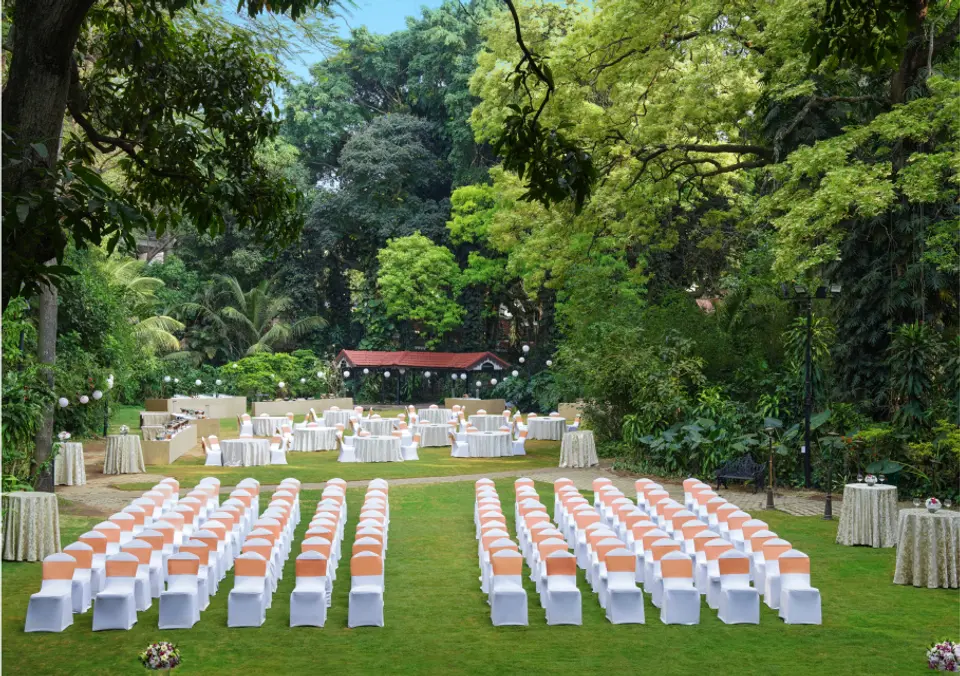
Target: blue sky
379,16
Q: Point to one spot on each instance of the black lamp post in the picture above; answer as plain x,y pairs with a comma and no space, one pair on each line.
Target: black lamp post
800,294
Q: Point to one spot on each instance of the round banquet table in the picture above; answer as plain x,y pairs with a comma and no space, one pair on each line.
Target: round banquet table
432,436
334,418
546,428
266,425
153,432
379,427
928,549
869,516
578,450
488,423
68,469
31,526
123,455
489,444
245,452
434,415
154,418
377,449
315,439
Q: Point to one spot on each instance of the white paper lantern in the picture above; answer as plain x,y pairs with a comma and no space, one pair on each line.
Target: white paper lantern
303,380
218,382
236,365
320,375
97,394
515,374
176,380
479,383
526,348
63,401
426,374
346,374
198,382
493,381
521,360
453,376
549,363
84,399
463,376
366,372
166,379
281,384
386,374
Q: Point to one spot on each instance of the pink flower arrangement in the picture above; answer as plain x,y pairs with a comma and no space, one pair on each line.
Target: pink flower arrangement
161,656
944,656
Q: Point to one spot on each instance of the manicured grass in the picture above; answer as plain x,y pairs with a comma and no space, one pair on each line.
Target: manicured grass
437,620
318,467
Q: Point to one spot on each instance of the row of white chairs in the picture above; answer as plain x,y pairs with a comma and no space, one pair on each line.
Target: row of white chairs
368,556
316,566
264,551
501,564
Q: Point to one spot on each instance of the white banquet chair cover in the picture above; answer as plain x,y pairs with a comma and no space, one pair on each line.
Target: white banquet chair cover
116,606
179,604
308,600
739,603
51,608
366,591
246,605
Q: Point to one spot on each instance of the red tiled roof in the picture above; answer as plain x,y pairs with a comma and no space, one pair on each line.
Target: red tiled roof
409,359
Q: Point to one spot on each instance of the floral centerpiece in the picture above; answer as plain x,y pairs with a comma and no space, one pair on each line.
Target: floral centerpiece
162,656
944,656
870,480
933,505
124,429
63,436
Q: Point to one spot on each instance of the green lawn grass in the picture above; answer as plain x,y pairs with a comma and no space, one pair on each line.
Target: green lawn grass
437,620
318,467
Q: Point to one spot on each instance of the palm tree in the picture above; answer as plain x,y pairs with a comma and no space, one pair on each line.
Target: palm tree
245,322
153,332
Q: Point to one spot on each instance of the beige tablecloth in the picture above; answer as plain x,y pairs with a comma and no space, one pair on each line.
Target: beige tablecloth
377,449
153,432
315,439
869,516
487,423
265,426
31,526
245,452
489,444
123,455
434,415
154,418
928,549
381,427
578,450
432,436
333,418
546,428
68,469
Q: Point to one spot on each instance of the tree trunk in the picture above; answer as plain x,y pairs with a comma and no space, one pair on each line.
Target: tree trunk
33,106
46,354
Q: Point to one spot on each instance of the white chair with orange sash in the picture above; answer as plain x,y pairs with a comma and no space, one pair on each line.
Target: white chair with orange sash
799,602
82,588
366,590
308,600
561,596
508,599
680,603
624,600
180,601
739,603
247,603
116,606
51,608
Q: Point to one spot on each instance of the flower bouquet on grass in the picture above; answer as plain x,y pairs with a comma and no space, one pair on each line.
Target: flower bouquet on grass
162,656
944,656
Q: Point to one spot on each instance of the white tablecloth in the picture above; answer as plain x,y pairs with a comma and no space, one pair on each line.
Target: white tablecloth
31,526
381,427
432,436
489,444
377,449
265,426
487,423
578,450
68,469
546,428
928,549
434,415
123,455
315,439
154,418
869,516
333,418
245,452
153,432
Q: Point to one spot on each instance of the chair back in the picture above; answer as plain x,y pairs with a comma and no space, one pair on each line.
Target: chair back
733,562
82,553
676,565
311,564
183,563
60,567
121,565
507,562
250,564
